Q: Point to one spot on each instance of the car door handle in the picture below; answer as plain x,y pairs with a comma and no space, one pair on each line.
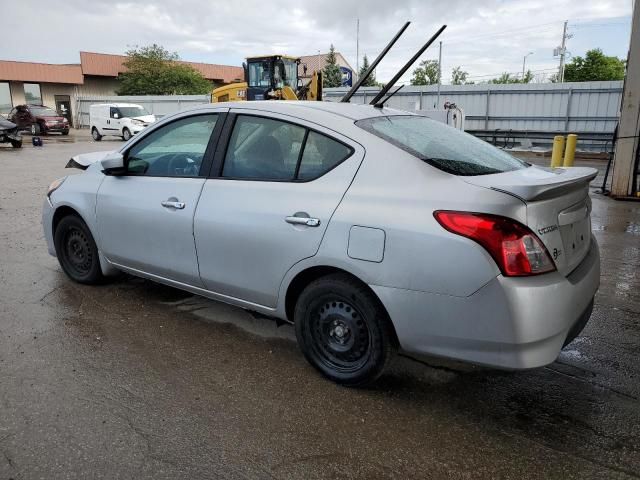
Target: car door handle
308,221
172,204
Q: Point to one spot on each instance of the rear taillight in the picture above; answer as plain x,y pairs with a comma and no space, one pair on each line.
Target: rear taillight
516,249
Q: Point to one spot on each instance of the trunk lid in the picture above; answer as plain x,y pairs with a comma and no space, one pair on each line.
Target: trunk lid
558,207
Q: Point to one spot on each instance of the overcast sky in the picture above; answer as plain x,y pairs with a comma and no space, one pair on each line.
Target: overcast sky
486,37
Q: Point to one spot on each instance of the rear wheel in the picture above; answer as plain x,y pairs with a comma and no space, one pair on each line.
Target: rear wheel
126,134
77,251
95,134
343,330
65,132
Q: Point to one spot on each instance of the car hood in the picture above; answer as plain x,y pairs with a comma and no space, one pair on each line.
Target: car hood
6,124
535,182
83,161
145,118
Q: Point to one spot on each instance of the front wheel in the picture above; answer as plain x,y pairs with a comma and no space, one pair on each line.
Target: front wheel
95,134
126,134
343,330
35,129
16,143
77,251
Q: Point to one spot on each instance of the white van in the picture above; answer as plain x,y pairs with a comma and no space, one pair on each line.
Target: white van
119,119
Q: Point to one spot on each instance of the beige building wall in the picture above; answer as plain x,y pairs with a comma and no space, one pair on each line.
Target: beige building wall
17,93
98,86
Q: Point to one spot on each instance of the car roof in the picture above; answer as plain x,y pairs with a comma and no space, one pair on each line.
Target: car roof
308,108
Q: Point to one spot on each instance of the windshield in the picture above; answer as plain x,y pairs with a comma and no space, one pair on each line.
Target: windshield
259,75
442,146
44,112
132,112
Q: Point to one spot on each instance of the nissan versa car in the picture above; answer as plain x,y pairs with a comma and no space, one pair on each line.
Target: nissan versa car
370,229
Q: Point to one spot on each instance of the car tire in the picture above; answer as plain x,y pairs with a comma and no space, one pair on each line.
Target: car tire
65,132
35,129
126,134
95,134
77,251
16,143
344,331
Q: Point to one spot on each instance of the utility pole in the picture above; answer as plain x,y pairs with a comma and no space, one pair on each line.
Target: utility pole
439,75
357,75
626,164
563,51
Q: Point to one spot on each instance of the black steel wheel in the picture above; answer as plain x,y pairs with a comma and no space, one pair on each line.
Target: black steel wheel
77,251
343,330
16,143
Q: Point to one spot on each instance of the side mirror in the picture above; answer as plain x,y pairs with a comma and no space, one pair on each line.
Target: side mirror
113,164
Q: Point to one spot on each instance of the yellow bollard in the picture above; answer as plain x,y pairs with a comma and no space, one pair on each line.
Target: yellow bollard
558,149
570,151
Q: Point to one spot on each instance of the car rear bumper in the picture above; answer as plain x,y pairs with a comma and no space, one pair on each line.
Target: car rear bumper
513,323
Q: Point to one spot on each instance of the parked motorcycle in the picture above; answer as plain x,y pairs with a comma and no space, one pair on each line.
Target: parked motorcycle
9,133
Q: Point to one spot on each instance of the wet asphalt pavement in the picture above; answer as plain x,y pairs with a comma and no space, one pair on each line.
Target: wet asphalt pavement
137,380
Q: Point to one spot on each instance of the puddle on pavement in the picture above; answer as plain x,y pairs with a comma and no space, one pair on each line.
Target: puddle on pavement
216,312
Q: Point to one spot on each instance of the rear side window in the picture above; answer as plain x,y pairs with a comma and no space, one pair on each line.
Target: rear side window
263,148
439,145
269,149
321,154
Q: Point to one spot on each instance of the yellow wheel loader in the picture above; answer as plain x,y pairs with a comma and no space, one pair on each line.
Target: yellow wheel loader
272,77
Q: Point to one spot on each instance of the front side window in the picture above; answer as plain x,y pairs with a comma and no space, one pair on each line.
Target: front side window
5,98
263,148
32,93
173,150
441,146
114,112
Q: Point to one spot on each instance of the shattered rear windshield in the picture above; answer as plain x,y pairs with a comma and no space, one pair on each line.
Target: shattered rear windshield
442,146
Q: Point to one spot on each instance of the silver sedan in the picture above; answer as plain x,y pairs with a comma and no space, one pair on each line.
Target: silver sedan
370,229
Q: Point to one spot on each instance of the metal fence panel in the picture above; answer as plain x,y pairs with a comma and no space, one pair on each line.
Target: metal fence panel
588,108
157,104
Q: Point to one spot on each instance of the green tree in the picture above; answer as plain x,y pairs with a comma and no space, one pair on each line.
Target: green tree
507,78
426,73
595,66
371,81
458,76
153,70
331,75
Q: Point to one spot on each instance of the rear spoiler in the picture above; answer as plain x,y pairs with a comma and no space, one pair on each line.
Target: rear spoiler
535,183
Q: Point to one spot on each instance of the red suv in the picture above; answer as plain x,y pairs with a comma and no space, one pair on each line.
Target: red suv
39,119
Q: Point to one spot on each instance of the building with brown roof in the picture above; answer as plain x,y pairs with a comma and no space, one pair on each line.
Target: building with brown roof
59,86
318,62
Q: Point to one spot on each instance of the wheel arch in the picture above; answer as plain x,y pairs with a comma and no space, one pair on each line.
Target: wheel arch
310,274
65,210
